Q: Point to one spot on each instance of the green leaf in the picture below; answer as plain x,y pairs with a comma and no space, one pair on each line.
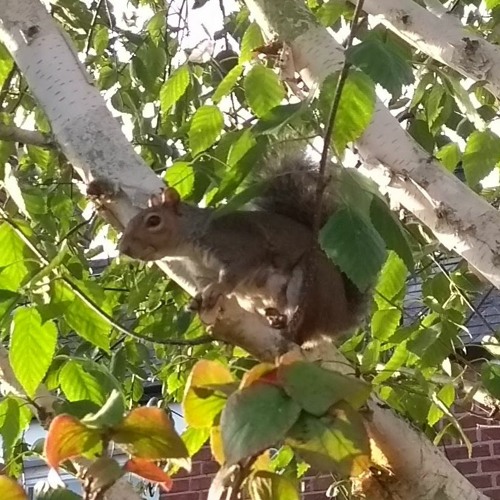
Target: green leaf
81,317
490,375
149,433
385,322
391,231
180,176
109,415
78,384
346,238
383,62
482,153
254,419
263,90
252,38
156,27
101,39
174,88
32,347
6,64
397,360
265,485
338,442
206,126
355,110
227,84
277,118
491,4
391,283
194,439
449,155
14,266
329,13
371,356
316,389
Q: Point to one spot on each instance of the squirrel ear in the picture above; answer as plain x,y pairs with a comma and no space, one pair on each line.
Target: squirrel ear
155,200
170,198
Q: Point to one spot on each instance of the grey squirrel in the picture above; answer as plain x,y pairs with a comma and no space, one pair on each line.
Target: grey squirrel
258,256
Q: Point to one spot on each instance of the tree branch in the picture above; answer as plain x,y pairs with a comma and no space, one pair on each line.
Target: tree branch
16,134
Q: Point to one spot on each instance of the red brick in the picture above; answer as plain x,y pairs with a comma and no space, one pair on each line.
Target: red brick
204,455
471,421
210,467
472,435
195,471
181,484
481,481
497,479
493,493
467,467
490,465
200,483
456,452
490,433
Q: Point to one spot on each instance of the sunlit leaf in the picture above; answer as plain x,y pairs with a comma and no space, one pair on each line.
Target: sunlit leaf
206,127
263,90
10,489
150,471
265,485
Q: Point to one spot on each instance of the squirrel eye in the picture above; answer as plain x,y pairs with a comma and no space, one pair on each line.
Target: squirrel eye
153,220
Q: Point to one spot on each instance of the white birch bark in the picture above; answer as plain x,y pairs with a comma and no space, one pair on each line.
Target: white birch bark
442,37
461,220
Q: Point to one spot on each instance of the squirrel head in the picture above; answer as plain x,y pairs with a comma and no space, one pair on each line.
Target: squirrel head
155,231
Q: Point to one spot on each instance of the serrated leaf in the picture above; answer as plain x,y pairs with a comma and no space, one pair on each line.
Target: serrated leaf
385,322
174,88
150,471
265,485
254,419
202,400
391,282
482,153
206,126
371,356
252,38
345,238
382,62
68,438
316,389
227,84
14,264
338,442
149,433
181,177
391,231
449,155
355,109
397,360
263,90
10,489
78,384
82,318
32,347
156,26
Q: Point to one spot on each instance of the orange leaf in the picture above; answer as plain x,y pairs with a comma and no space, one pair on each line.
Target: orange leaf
149,433
150,471
68,438
263,372
11,489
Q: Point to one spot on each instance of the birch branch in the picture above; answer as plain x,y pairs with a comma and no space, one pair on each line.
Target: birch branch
441,37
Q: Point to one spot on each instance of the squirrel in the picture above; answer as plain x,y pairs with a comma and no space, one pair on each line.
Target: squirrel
258,255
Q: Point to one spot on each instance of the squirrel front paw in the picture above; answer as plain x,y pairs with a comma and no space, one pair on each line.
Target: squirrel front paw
207,302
